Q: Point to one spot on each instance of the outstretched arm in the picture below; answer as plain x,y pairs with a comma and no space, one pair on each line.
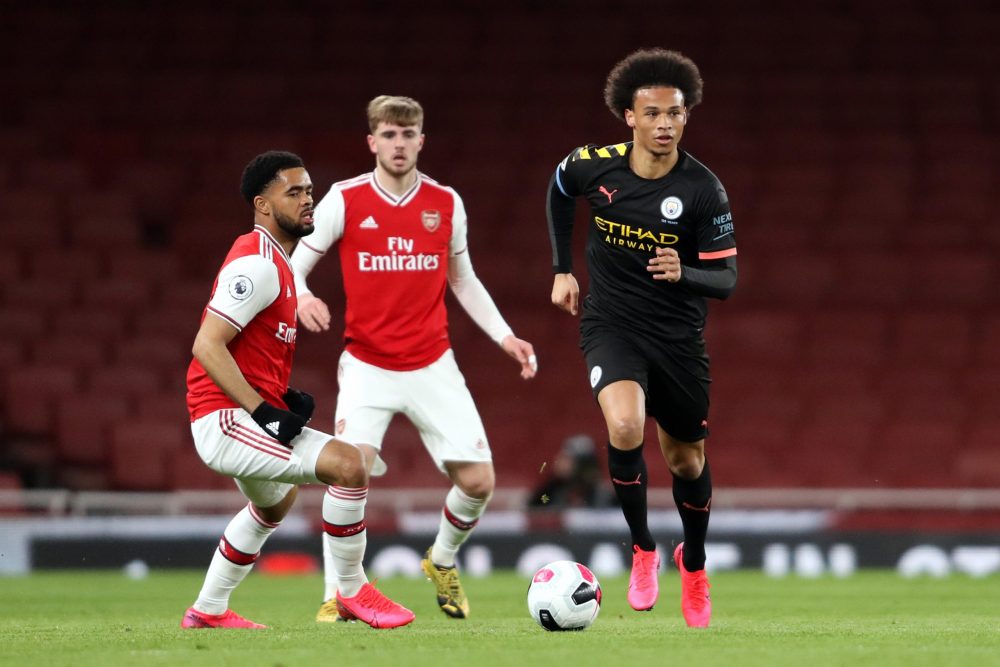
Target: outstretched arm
477,302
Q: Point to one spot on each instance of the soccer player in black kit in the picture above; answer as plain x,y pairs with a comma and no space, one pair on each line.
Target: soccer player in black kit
661,240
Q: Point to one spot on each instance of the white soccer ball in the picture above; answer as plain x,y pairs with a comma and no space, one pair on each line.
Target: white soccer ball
564,595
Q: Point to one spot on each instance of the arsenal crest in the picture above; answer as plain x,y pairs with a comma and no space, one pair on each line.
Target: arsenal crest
431,220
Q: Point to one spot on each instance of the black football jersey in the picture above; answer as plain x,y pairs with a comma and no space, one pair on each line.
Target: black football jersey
687,210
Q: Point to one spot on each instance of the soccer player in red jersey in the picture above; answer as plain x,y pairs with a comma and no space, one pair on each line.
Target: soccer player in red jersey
661,240
402,240
246,421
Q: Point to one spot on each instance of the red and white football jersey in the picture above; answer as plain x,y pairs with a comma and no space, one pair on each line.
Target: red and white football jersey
394,257
255,293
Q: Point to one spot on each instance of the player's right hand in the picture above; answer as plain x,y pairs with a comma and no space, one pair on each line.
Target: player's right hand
566,293
313,313
281,425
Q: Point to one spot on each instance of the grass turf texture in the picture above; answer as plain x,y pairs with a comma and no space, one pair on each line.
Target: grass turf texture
873,618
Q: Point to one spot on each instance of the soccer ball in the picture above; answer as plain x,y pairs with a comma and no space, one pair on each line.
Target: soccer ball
564,595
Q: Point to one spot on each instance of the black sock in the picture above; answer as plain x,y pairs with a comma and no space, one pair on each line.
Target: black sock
628,477
694,501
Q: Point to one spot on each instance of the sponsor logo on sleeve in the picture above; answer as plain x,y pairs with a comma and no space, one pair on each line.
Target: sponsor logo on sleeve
595,376
723,225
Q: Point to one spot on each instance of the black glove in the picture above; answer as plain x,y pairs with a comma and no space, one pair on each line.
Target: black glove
281,424
300,403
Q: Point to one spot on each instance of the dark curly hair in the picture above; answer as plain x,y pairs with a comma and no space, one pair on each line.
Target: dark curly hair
651,67
263,169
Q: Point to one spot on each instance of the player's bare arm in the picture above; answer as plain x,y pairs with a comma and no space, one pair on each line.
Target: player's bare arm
313,313
211,351
566,293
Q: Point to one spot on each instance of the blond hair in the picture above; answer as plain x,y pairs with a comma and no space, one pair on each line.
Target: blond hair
395,109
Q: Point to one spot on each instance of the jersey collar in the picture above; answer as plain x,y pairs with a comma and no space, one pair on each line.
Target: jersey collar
266,235
392,199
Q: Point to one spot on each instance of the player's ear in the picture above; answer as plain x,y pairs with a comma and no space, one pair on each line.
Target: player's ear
630,118
262,205
371,144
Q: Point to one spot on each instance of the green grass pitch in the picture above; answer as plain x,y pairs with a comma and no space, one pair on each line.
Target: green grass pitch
873,618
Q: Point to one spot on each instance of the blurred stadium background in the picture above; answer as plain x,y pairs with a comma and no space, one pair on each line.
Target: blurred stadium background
857,367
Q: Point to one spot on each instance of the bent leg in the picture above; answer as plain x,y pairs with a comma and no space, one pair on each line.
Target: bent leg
692,490
238,550
472,488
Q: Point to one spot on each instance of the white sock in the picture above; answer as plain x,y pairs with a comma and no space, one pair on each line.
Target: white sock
238,549
458,517
344,541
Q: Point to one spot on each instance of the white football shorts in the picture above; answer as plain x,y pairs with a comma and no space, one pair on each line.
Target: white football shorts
230,442
434,398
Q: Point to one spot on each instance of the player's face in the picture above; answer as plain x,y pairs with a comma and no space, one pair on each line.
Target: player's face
396,147
657,119
291,200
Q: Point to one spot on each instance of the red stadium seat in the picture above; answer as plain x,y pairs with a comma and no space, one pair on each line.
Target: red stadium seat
842,339
108,323
30,393
873,279
75,352
96,230
141,451
931,339
123,294
186,470
918,452
766,337
41,293
83,426
130,379
73,265
148,266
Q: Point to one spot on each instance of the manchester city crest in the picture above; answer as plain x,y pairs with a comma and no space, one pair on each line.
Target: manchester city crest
671,208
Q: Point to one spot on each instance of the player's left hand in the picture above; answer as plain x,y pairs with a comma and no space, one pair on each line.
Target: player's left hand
666,265
523,353
300,402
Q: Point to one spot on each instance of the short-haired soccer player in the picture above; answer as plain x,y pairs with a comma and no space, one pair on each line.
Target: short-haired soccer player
246,421
402,240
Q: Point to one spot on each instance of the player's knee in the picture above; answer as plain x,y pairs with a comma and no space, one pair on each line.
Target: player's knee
626,431
277,512
687,464
474,480
480,487
341,464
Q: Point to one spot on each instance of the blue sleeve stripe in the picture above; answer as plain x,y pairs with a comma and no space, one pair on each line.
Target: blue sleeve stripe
559,183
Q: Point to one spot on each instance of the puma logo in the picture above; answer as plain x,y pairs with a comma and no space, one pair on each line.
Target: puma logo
636,482
697,509
604,191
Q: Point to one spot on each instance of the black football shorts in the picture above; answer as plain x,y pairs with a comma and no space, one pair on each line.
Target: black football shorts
673,374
